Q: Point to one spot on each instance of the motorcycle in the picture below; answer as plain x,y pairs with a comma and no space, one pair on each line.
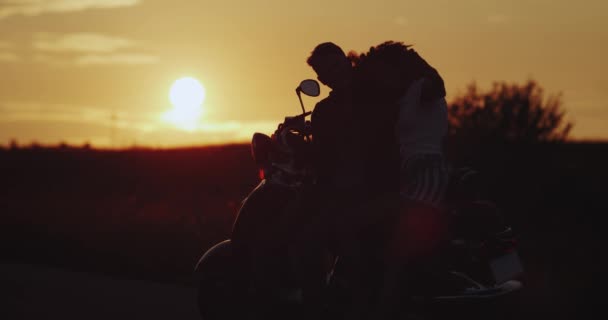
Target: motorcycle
249,276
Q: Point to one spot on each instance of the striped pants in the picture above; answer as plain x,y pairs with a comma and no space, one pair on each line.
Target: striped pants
424,178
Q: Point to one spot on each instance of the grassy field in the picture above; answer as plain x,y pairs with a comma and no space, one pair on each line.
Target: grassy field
139,213
150,214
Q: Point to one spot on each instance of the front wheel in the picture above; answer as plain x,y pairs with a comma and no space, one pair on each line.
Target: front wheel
218,288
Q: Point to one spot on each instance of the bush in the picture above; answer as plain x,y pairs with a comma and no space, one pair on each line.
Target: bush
508,113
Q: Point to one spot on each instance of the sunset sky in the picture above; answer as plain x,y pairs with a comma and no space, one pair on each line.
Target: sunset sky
100,71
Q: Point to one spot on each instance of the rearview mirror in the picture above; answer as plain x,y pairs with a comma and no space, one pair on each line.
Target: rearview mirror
310,87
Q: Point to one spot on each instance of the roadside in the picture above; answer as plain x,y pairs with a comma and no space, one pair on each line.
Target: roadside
41,292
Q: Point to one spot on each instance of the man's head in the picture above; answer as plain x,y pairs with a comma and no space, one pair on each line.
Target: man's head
332,66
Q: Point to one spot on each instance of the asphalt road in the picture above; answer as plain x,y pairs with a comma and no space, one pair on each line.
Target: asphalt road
40,292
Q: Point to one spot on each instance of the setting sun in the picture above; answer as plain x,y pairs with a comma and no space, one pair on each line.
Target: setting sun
187,96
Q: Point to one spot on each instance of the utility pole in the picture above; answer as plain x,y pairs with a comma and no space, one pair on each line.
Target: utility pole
113,119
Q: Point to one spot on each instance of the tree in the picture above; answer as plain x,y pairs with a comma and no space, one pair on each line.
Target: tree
14,145
508,113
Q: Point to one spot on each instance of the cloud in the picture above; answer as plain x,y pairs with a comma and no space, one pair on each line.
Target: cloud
208,132
8,57
79,42
21,111
38,7
48,59
144,128
72,124
90,49
123,58
5,44
238,129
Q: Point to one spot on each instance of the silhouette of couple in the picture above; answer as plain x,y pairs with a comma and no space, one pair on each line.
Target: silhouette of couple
381,173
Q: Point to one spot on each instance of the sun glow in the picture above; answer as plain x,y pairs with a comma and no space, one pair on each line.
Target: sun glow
187,96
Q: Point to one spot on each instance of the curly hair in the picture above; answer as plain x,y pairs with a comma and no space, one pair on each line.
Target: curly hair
399,57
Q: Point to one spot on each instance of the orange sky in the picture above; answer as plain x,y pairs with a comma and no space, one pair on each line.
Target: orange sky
100,71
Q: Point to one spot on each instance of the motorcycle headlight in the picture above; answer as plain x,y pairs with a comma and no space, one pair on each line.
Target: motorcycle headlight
261,146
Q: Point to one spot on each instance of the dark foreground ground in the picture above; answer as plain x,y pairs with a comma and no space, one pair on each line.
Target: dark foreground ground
89,234
43,292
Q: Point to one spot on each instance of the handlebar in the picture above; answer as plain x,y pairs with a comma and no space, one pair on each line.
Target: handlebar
295,119
297,123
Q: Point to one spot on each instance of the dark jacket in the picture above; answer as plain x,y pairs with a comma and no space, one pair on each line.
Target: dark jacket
333,133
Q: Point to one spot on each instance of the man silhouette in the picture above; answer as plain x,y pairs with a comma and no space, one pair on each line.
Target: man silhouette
318,212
